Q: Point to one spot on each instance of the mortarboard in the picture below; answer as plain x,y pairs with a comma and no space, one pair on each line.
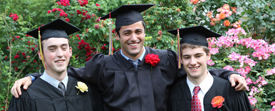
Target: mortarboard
55,29
128,14
125,15
196,35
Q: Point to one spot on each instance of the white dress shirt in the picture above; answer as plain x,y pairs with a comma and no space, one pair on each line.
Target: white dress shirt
53,81
205,85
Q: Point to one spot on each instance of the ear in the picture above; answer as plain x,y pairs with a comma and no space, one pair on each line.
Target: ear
117,36
71,51
39,55
208,56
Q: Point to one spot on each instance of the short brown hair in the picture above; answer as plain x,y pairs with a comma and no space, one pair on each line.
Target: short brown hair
186,45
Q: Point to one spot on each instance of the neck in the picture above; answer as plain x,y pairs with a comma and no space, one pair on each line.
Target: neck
57,76
134,57
197,80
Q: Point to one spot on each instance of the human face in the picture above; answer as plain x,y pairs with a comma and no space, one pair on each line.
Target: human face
195,62
132,39
57,53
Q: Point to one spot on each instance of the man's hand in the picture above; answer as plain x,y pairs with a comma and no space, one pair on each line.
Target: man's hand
235,78
16,88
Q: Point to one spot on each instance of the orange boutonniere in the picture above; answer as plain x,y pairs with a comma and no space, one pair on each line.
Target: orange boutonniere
217,102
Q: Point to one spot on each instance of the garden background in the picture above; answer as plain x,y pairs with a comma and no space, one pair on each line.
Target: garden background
247,44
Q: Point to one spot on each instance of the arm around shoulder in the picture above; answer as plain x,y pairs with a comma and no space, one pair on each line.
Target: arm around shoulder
92,70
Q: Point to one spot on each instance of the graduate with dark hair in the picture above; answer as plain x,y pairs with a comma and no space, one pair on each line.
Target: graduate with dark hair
55,90
200,91
135,78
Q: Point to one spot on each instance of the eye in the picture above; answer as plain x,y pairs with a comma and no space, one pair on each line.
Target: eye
64,47
186,57
197,56
52,49
139,32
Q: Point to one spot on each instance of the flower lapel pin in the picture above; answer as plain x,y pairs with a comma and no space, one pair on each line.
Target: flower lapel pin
82,87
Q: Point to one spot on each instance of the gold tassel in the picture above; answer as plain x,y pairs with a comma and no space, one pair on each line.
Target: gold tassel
40,48
179,55
110,36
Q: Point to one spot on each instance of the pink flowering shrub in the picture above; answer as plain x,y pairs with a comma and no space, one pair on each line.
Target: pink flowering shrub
252,58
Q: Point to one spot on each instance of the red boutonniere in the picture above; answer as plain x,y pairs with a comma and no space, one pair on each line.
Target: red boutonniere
152,59
217,102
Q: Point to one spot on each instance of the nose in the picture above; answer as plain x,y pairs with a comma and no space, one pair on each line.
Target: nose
134,37
193,61
59,52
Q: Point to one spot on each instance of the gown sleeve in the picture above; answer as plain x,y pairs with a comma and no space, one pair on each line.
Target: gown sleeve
23,103
240,102
222,73
92,70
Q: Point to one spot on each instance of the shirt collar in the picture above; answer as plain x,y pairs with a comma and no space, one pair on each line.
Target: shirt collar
53,81
205,85
140,57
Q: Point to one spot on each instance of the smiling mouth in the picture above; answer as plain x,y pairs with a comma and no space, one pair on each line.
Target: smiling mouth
59,61
133,44
194,68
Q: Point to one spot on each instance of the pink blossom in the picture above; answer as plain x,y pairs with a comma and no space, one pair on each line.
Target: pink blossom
252,101
49,11
211,42
264,82
220,9
214,51
270,71
247,69
248,81
234,56
225,41
250,62
272,104
210,62
228,67
242,71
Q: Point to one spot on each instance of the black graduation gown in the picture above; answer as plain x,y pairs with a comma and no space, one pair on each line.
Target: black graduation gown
124,88
41,96
180,97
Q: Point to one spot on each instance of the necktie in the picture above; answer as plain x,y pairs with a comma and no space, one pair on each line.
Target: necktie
61,86
135,63
195,102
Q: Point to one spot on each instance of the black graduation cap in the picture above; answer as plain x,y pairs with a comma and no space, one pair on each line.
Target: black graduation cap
128,14
57,28
196,35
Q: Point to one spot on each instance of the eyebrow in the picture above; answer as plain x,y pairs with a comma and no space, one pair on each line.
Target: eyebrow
130,30
190,55
56,45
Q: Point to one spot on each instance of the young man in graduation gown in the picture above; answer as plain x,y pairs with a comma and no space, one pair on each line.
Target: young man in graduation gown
196,91
55,90
125,80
